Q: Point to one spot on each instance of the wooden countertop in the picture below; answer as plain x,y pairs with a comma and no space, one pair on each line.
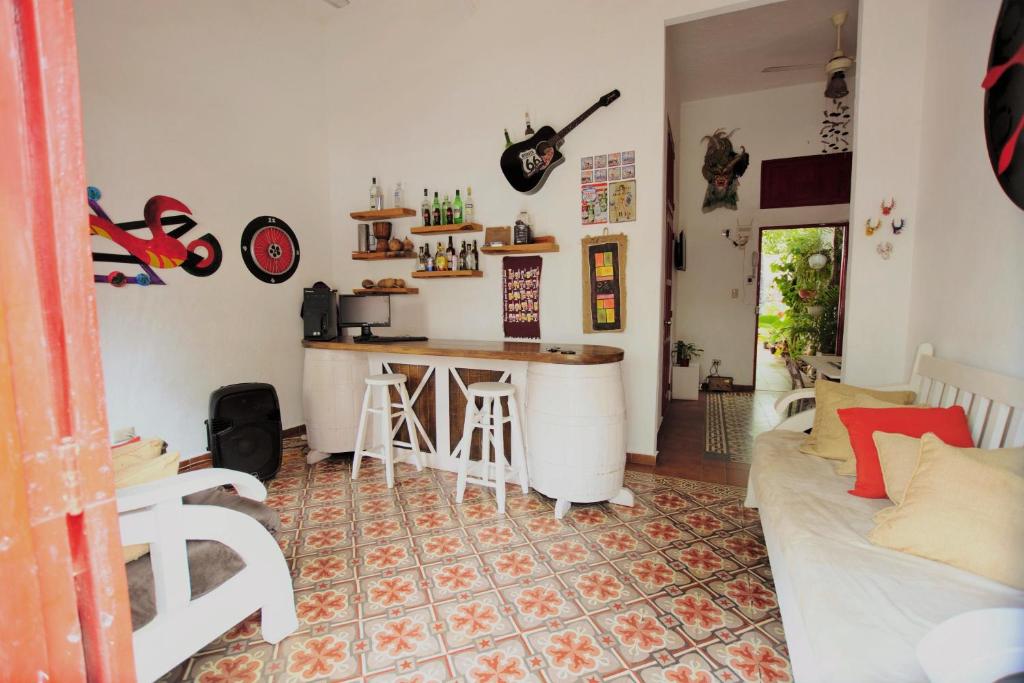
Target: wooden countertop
534,352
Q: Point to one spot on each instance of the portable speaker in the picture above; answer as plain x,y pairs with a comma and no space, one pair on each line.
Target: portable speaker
244,429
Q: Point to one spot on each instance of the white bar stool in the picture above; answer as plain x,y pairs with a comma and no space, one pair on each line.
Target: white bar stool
491,419
386,428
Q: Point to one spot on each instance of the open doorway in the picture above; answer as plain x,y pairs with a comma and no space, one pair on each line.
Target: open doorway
801,288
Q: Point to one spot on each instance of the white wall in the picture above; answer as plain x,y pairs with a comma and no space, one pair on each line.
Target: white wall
221,105
771,124
967,290
425,101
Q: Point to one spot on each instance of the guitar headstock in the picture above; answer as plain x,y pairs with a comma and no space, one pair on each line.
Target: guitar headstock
609,98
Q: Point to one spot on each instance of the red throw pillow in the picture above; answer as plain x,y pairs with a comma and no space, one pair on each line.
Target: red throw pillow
949,424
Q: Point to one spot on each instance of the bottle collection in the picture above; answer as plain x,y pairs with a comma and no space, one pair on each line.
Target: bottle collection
467,258
447,211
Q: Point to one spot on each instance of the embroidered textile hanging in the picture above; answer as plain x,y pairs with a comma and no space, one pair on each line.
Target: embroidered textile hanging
520,286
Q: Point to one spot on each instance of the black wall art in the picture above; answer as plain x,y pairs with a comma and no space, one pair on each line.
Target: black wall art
1004,100
270,249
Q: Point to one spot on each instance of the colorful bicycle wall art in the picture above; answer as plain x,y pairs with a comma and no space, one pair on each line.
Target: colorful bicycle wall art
200,257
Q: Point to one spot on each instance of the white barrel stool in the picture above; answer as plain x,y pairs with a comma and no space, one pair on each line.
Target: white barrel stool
378,393
491,420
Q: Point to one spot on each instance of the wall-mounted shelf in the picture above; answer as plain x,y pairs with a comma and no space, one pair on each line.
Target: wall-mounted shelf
446,229
447,273
382,214
534,248
380,291
379,255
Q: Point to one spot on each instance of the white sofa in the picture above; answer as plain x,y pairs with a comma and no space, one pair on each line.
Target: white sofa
853,611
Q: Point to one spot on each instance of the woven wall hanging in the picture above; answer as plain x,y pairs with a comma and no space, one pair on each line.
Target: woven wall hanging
604,283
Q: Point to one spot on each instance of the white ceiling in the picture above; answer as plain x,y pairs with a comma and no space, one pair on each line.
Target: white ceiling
724,54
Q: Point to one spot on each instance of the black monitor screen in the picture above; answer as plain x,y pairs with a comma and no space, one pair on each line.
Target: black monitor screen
364,311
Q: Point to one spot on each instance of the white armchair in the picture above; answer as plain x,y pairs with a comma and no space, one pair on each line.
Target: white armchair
153,513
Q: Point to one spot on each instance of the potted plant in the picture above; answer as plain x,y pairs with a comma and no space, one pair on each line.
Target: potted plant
685,351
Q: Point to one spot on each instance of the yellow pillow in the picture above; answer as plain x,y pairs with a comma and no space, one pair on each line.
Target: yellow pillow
136,452
963,507
142,472
829,438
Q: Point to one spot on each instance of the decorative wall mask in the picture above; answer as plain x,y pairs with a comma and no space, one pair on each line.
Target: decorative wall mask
1004,100
722,169
201,257
870,229
884,250
897,228
270,249
887,208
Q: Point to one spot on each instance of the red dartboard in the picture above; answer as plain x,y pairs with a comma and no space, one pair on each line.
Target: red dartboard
270,249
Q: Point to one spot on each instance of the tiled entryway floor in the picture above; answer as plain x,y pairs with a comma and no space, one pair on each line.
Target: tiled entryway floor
405,585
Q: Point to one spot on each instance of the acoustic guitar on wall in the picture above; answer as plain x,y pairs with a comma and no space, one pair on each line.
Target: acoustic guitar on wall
526,164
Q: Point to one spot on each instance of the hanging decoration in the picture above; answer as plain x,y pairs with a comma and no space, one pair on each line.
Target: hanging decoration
722,169
520,286
201,257
270,249
604,283
608,188
835,128
870,229
897,229
887,208
884,250
1004,100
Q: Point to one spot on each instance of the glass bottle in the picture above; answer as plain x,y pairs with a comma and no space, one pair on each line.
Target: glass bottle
463,263
425,208
450,255
476,257
436,211
427,259
420,265
396,196
440,262
457,209
508,140
469,213
449,214
374,194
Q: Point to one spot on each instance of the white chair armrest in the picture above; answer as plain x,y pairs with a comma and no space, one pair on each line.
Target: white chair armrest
146,495
792,397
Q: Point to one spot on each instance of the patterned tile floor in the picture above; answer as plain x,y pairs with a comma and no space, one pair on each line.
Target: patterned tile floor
405,585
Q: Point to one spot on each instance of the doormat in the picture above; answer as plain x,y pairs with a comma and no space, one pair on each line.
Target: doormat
727,421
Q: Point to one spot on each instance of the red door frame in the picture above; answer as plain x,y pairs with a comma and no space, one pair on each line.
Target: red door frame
840,314
65,600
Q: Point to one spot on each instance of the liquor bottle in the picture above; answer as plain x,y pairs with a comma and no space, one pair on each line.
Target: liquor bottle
374,195
436,211
440,262
420,263
469,213
425,208
428,260
508,140
449,214
476,257
463,262
396,196
457,209
529,128
451,256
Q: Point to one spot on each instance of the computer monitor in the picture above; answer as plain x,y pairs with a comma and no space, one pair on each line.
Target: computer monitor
365,312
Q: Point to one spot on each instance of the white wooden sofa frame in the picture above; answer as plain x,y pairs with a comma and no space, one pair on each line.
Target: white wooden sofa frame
154,513
994,405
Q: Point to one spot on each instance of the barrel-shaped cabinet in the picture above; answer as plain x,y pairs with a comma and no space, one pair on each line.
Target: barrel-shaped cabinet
332,388
576,431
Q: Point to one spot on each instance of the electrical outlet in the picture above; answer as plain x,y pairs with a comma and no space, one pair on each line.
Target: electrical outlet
735,294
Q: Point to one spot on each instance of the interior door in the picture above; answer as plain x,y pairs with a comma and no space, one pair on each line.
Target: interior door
64,602
666,318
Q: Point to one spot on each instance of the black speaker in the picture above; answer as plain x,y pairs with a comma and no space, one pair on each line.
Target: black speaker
244,429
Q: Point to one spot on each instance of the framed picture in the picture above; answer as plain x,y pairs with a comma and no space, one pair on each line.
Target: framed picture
622,201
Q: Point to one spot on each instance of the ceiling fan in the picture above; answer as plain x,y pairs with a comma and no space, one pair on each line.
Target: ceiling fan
835,68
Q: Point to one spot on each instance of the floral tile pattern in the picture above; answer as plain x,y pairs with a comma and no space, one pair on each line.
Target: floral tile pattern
407,586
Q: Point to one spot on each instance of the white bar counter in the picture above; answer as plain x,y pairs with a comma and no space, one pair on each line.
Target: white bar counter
571,399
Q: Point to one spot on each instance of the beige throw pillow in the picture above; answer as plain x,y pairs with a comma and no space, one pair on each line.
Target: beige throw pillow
130,470
963,507
137,452
832,441
828,397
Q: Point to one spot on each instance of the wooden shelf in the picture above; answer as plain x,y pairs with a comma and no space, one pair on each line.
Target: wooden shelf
382,214
446,229
379,291
534,248
379,255
447,273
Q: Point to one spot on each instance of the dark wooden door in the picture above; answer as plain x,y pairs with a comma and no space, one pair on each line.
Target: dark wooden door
666,318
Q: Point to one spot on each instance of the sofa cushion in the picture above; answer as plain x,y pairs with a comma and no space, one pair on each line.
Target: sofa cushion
897,455
828,438
963,507
949,424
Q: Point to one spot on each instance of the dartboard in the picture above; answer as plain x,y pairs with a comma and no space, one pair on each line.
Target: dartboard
1004,100
270,249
